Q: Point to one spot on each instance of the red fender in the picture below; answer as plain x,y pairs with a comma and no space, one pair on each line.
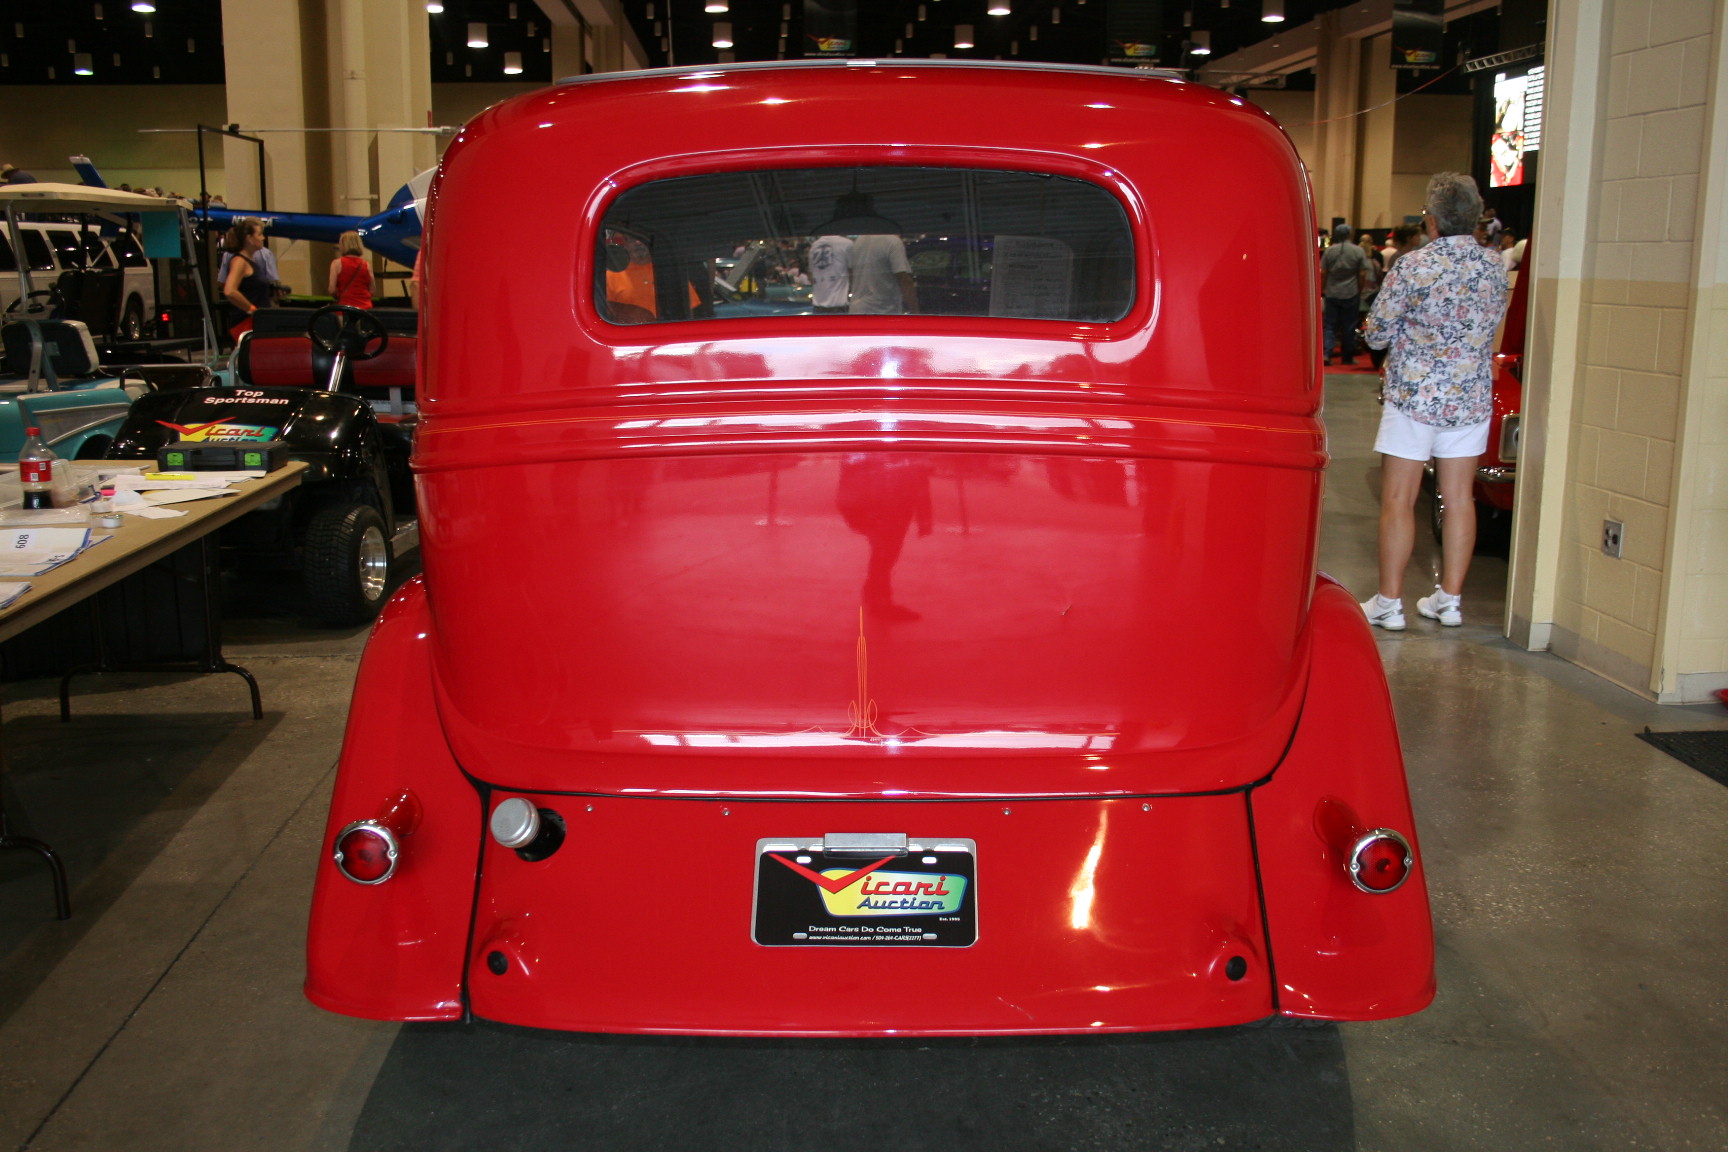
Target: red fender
394,950
1341,953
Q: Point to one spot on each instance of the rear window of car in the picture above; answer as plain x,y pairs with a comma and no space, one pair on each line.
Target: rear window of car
865,240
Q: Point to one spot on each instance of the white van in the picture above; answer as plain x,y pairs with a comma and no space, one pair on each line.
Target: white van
52,249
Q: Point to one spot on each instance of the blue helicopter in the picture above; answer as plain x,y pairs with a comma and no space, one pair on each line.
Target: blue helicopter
393,233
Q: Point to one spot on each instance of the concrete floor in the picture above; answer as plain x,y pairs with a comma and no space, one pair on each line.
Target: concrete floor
1577,876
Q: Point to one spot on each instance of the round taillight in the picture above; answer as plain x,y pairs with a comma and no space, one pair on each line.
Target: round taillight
366,852
1381,861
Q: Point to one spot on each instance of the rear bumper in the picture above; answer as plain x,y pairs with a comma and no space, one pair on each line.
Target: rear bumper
1092,916
1121,914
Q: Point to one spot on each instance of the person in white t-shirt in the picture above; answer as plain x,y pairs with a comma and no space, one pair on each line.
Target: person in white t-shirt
881,277
830,273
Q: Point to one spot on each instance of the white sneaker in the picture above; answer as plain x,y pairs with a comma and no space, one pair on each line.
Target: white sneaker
1449,610
1384,613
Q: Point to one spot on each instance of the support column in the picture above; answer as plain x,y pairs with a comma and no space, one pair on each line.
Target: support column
608,44
1337,84
1576,45
1374,207
569,50
269,85
1692,636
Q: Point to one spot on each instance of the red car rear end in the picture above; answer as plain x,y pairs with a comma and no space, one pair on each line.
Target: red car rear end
811,671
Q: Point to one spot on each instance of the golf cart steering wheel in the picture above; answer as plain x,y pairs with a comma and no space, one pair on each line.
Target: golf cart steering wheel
37,303
351,331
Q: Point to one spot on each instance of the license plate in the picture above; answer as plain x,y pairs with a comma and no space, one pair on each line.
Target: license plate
809,894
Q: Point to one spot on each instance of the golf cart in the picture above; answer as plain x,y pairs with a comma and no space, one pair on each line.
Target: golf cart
335,387
65,369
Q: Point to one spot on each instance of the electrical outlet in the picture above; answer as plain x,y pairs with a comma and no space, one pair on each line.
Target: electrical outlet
1613,538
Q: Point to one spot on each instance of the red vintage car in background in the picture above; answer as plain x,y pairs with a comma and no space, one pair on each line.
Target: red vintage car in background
788,668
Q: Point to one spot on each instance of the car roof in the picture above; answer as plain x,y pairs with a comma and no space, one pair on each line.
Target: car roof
872,62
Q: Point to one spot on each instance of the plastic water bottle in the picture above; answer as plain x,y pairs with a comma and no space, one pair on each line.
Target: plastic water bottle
36,470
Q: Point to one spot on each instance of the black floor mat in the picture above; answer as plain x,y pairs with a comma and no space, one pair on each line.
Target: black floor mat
1705,751
495,1086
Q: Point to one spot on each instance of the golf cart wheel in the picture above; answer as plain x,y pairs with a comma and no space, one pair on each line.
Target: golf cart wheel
346,564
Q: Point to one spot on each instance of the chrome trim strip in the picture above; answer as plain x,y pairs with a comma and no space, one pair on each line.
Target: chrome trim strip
111,410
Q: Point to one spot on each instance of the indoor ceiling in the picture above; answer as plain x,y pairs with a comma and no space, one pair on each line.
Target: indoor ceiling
180,41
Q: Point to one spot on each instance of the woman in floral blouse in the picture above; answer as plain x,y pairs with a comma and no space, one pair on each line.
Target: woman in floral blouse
1437,312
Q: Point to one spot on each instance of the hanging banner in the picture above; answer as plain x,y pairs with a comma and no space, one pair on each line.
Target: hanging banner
1132,31
830,27
1418,33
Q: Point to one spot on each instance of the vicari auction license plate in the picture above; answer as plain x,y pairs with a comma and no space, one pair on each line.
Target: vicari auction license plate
924,897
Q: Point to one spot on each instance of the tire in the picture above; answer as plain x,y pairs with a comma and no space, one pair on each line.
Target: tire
345,561
95,448
132,319
1436,507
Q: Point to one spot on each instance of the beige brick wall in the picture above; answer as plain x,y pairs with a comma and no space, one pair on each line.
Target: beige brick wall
1638,308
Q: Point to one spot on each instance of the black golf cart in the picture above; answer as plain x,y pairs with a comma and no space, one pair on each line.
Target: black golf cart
336,388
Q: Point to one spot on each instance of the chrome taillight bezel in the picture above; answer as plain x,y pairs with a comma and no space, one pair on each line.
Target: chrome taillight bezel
1354,867
393,850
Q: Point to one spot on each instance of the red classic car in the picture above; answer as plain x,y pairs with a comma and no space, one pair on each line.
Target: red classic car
835,670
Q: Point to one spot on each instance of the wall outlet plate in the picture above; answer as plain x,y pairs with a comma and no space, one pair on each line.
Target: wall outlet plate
1613,538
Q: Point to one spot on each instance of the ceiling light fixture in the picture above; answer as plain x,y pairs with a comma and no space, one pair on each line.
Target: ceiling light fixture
512,63
963,36
477,36
1272,11
434,7
722,34
1202,42
999,8
81,65
716,6
143,6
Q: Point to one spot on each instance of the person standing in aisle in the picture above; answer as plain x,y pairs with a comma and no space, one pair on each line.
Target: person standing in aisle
350,274
1371,289
1436,313
242,287
882,282
1344,268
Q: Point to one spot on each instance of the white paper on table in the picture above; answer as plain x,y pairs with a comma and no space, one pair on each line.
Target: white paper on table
181,495
151,512
33,551
10,590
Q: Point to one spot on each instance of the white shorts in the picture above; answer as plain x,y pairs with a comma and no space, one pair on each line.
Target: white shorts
1403,437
